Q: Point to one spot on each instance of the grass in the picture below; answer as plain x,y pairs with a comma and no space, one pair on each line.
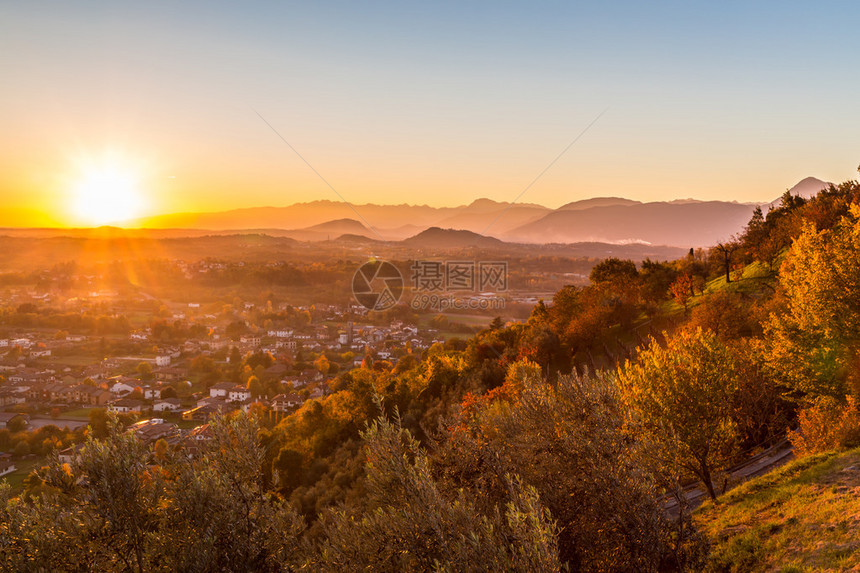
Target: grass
802,517
16,478
78,413
186,424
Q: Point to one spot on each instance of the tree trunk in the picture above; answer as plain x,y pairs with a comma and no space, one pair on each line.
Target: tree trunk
706,478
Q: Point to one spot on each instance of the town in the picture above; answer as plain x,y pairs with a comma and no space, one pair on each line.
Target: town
180,366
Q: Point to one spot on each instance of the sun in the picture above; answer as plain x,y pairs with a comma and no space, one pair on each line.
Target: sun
105,193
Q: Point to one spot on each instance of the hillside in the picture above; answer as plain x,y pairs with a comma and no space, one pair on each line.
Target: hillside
804,516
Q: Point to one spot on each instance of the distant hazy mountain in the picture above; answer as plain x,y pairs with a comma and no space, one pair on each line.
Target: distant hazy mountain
436,238
806,188
682,222
597,202
330,230
494,222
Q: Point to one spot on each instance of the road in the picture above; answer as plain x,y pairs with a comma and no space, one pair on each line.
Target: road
760,464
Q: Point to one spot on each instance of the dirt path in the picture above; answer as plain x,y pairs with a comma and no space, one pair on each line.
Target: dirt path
760,464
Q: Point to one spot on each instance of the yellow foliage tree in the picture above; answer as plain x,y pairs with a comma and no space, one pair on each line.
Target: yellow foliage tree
680,397
813,343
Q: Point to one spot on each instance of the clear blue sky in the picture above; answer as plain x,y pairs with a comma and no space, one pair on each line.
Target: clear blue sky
428,102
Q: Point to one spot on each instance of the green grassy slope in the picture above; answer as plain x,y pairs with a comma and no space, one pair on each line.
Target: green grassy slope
802,517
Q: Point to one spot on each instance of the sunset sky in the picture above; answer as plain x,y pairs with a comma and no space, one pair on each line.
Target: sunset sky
152,107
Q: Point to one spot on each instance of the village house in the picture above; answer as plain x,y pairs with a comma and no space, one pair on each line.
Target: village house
122,385
70,454
238,394
125,405
151,392
286,402
250,340
7,467
9,397
167,405
90,395
202,413
221,389
169,374
154,429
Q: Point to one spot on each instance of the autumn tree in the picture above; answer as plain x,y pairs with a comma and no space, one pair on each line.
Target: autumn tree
120,506
814,344
725,314
415,524
681,290
722,254
601,490
681,397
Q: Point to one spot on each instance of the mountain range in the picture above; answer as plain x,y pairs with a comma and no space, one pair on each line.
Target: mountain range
683,223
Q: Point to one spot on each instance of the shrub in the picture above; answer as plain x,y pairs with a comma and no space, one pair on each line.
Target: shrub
826,425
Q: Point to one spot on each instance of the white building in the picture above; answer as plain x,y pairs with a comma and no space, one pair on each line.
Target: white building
167,405
238,394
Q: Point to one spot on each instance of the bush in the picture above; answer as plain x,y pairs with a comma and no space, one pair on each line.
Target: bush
826,425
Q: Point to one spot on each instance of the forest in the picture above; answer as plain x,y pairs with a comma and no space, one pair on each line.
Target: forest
546,445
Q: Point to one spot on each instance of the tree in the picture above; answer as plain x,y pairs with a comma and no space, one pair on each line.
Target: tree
168,392
681,289
656,279
17,424
681,396
21,449
602,491
723,253
120,506
416,524
144,369
613,270
255,386
322,365
815,342
724,314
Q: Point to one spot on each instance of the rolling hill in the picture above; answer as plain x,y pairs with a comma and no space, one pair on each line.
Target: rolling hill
436,238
